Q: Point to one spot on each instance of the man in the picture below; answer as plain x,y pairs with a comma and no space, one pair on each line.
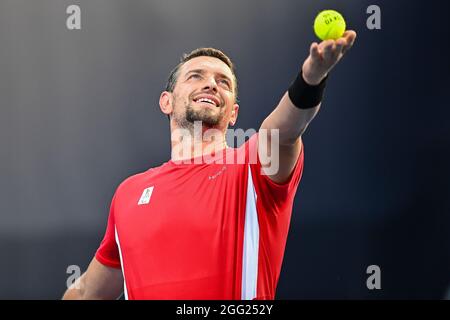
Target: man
196,229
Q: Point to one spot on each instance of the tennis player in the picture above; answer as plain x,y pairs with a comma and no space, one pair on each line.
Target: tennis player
211,222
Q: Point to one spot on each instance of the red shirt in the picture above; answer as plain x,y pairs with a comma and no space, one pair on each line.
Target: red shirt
201,231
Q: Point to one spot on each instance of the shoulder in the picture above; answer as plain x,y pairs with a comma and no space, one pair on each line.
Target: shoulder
139,179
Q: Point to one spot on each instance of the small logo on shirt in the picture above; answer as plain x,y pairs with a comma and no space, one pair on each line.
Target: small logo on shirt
145,198
218,173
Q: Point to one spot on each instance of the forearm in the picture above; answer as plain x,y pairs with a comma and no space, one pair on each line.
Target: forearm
290,120
75,291
298,107
98,282
72,294
301,103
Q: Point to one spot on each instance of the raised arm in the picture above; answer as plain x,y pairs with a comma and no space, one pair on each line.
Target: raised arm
299,105
99,282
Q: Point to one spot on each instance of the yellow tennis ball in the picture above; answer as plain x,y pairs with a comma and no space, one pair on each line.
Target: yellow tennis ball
329,24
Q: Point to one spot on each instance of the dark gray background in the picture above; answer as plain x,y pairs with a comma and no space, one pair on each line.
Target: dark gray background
79,113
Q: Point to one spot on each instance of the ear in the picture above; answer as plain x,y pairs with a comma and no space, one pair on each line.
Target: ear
234,114
165,102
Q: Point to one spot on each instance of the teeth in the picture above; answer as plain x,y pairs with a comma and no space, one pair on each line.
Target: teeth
206,100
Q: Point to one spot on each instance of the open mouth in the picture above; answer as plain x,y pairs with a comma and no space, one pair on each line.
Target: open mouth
210,101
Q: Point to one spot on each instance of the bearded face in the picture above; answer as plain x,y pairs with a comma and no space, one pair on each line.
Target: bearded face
204,92
199,108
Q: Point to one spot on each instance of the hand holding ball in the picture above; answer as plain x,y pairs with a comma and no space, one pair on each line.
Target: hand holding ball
329,24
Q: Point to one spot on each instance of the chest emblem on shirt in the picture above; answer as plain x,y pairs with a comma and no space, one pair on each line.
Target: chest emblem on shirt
146,195
218,173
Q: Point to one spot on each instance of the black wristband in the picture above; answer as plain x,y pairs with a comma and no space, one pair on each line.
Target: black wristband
305,96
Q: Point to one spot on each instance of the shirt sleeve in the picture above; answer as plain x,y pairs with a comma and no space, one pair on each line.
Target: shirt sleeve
108,252
276,198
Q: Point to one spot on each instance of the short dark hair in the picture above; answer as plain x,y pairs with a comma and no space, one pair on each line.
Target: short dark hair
200,52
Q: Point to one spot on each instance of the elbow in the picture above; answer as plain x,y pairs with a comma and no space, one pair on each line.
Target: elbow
289,141
292,137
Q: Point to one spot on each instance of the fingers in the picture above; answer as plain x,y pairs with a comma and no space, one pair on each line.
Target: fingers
314,51
325,44
331,50
349,37
340,44
328,49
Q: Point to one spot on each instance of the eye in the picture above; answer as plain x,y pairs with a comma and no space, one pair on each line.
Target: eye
225,82
195,76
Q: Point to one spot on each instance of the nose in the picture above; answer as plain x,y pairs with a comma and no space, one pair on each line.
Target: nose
210,84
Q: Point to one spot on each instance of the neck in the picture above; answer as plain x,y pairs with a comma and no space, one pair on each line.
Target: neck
196,141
